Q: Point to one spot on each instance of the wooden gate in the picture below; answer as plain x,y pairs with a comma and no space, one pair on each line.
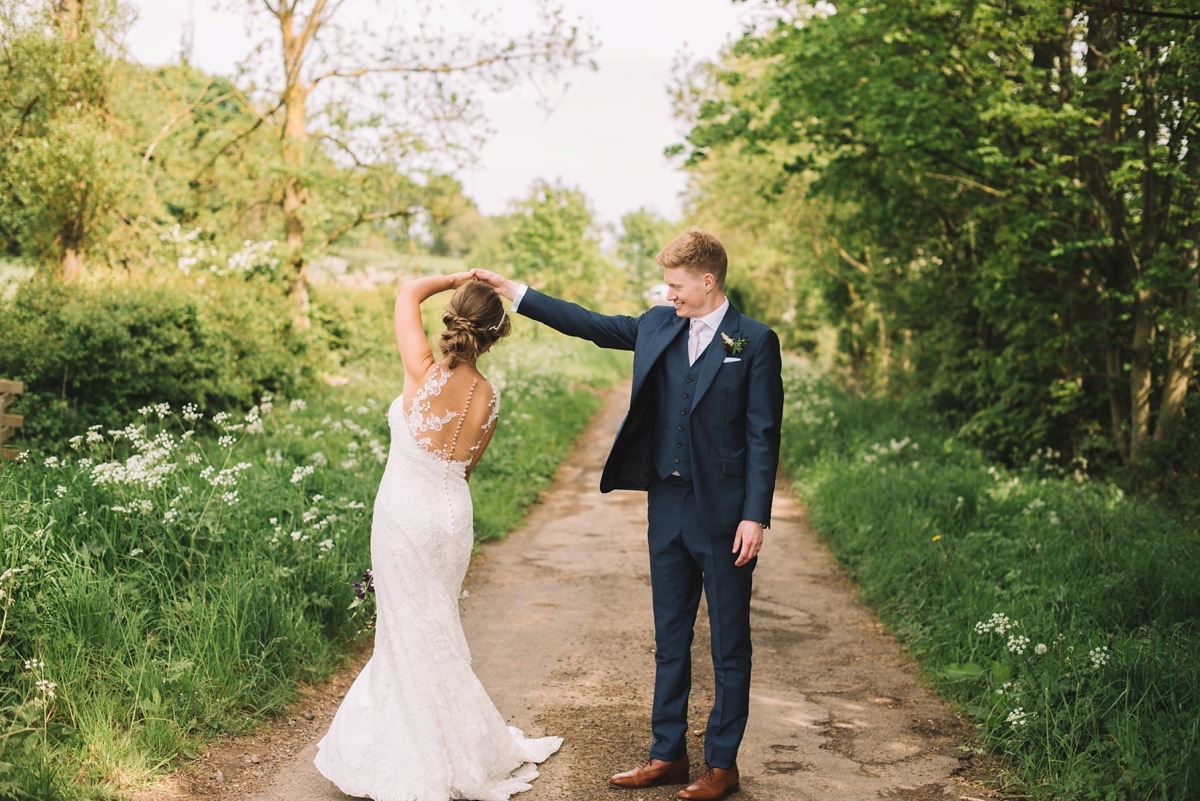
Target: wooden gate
9,423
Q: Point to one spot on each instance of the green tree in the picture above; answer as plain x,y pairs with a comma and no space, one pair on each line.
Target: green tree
371,104
1010,183
643,234
550,240
65,161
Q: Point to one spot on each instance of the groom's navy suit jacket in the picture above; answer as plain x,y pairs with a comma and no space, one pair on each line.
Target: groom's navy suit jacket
737,407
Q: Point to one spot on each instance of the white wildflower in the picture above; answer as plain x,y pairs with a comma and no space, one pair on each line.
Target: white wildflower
60,490
76,441
1017,644
136,552
300,473
51,461
230,498
1100,657
225,442
297,405
999,623
1017,717
319,459
1040,648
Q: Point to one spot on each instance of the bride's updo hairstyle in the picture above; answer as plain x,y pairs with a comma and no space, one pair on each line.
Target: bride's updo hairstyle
475,318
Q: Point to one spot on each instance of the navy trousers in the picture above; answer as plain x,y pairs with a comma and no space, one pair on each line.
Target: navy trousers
685,559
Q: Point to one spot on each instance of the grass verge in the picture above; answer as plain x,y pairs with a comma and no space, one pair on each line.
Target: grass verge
1061,615
165,584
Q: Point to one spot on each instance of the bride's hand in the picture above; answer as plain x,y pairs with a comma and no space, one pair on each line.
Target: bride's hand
458,279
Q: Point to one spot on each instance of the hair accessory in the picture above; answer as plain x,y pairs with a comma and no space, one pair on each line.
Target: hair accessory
496,327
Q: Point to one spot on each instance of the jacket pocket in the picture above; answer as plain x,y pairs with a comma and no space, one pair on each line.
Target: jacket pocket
733,467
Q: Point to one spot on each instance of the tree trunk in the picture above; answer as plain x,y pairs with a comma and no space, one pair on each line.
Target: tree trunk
72,263
1116,403
295,151
1182,349
1140,375
68,16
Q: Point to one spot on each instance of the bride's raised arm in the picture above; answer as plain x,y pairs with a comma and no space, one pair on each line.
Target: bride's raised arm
410,332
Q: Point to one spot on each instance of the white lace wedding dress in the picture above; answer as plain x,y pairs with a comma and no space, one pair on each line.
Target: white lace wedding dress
417,725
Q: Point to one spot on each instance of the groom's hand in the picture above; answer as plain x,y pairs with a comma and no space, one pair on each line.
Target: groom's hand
505,286
748,542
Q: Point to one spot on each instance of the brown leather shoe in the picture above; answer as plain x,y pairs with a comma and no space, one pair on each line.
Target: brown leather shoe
652,773
714,785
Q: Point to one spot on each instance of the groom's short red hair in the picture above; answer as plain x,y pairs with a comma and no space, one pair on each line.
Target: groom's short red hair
698,252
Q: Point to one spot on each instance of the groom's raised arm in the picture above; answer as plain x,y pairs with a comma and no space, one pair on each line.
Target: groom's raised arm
615,331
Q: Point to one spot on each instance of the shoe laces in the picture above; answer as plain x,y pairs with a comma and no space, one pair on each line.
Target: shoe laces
709,772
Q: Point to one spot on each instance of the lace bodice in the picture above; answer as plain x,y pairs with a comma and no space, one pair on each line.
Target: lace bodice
431,427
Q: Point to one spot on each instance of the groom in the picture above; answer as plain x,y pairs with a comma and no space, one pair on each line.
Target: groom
702,438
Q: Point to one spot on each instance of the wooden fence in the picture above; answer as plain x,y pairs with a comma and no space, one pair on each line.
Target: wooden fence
9,423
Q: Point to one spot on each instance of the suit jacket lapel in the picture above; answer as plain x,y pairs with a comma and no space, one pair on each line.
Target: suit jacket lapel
658,343
714,354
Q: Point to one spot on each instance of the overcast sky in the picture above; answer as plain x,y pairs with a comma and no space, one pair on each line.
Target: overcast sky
606,135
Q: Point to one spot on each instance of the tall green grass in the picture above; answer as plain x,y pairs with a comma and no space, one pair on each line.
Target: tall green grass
1060,614
179,577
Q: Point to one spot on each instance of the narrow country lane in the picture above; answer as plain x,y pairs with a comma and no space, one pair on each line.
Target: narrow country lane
559,621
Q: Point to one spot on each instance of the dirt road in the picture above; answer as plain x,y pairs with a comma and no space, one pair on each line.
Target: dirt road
559,621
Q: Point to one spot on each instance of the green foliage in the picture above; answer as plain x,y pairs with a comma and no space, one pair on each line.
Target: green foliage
89,353
1100,701
643,234
994,203
65,161
179,585
550,241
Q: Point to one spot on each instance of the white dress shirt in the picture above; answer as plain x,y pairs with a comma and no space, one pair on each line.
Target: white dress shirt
711,321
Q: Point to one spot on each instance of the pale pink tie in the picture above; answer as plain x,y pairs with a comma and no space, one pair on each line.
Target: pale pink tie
694,342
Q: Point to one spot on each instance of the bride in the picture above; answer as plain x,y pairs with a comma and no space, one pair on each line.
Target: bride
417,725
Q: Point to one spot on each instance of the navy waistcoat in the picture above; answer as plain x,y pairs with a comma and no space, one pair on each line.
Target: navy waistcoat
675,386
